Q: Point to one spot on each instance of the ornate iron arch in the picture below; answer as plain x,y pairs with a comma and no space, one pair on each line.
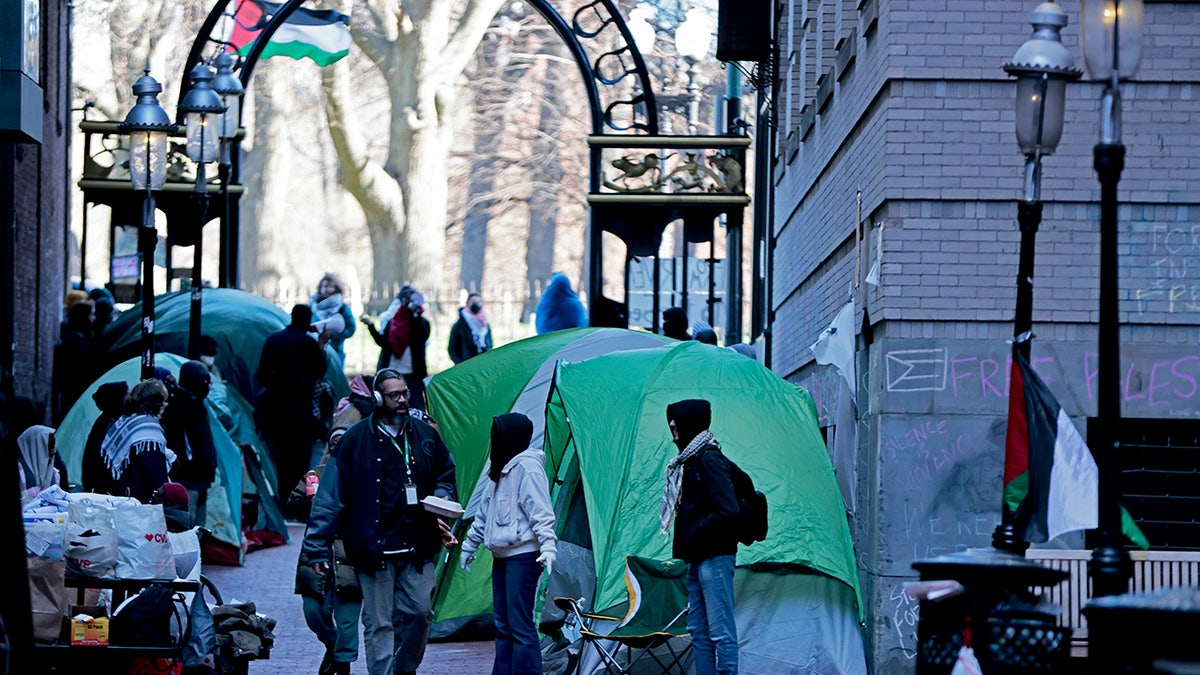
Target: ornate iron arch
705,180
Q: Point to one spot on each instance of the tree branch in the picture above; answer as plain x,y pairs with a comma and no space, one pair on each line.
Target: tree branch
376,192
476,18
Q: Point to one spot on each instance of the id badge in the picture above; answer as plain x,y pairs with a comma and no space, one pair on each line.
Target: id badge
410,494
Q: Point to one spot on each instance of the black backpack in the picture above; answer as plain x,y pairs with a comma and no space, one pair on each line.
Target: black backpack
146,619
752,506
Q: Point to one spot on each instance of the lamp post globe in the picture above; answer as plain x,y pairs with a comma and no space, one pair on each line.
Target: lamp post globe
231,91
1111,35
148,126
1042,66
641,29
694,36
202,109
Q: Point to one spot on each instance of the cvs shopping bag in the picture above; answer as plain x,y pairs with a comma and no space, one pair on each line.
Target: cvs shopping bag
90,548
143,548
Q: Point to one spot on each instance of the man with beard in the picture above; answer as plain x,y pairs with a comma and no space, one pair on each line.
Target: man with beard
370,496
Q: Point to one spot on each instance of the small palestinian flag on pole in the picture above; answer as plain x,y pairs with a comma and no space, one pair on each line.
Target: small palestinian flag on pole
320,35
1051,481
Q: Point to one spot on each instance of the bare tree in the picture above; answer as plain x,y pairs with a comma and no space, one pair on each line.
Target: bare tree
420,47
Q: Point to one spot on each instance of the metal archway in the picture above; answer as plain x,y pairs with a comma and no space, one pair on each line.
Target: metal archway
623,108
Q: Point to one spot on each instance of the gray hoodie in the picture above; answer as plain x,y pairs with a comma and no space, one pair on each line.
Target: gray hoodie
516,515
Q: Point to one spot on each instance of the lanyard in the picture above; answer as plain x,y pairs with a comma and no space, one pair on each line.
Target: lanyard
403,451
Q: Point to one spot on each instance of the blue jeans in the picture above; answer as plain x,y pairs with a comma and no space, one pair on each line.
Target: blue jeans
514,586
710,615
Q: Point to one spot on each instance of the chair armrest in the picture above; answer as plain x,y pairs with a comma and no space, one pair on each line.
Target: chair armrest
572,606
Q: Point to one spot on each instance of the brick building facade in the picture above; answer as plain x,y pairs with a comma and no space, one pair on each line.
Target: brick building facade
37,177
903,103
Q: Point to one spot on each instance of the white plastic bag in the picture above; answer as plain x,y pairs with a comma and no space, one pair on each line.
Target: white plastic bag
185,546
143,548
966,663
90,548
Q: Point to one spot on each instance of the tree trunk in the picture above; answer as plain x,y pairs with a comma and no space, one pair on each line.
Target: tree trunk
547,178
266,168
480,195
420,52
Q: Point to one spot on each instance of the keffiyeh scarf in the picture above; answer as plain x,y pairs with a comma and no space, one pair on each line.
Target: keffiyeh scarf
131,435
674,480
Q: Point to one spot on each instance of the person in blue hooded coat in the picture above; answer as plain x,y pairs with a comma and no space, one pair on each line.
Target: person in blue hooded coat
559,307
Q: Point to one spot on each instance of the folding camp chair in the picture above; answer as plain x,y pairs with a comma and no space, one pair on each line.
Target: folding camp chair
653,617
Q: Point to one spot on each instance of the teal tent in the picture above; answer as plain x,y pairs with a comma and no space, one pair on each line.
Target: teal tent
239,321
225,495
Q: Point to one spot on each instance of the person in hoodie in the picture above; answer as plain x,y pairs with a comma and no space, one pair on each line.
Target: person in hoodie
110,399
699,497
470,335
516,523
188,433
559,307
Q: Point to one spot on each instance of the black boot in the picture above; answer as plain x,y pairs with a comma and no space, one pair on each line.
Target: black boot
327,664
341,668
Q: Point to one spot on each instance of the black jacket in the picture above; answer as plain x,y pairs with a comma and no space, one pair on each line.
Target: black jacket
462,342
417,338
185,424
348,501
707,511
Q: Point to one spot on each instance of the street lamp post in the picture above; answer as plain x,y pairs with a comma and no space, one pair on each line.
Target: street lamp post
1111,35
693,38
203,112
1042,66
147,125
231,91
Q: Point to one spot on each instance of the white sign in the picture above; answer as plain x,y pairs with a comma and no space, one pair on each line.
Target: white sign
671,285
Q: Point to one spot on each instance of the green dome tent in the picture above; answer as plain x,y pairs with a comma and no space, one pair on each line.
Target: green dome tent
463,399
612,450
606,432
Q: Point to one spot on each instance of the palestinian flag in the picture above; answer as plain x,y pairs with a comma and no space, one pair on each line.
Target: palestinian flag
1051,481
320,35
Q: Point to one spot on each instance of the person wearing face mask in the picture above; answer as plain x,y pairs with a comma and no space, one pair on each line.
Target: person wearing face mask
471,335
185,424
217,397
699,500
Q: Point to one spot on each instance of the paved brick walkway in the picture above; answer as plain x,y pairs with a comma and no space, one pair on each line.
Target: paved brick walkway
268,578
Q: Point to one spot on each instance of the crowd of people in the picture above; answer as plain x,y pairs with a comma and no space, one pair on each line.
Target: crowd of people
358,471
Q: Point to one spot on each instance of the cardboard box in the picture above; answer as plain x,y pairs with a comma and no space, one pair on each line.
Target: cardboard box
91,633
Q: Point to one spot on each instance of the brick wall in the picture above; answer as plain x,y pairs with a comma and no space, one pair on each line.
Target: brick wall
41,220
920,122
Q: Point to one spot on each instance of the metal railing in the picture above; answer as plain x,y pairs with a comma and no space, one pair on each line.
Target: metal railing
1152,570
